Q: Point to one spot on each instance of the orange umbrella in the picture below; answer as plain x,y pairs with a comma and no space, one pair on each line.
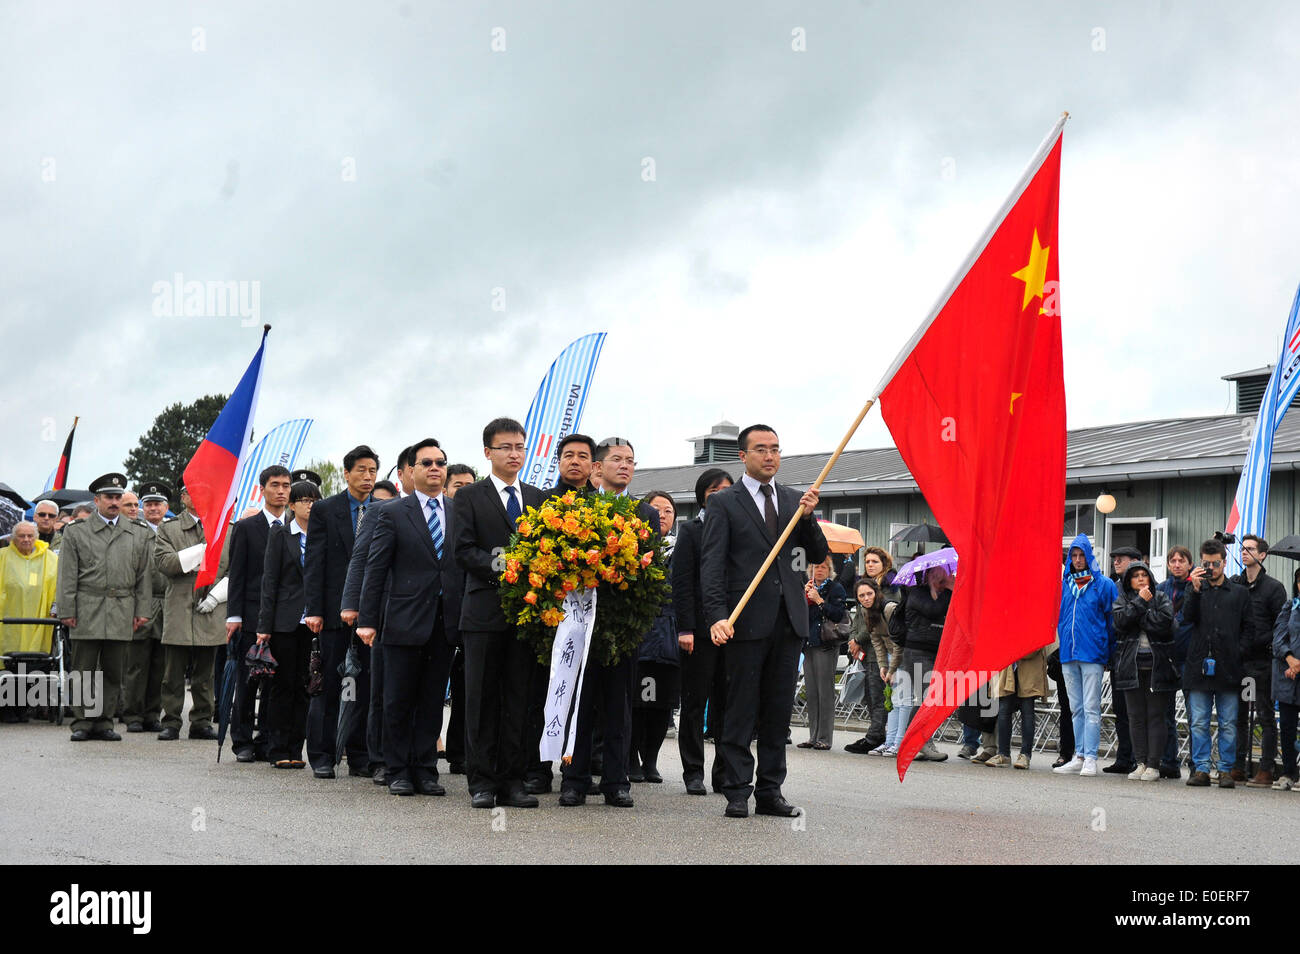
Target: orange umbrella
841,539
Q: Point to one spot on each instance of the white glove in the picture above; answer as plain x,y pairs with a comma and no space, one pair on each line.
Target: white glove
218,591
206,605
191,557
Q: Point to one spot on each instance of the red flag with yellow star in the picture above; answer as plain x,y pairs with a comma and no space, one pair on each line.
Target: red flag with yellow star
976,404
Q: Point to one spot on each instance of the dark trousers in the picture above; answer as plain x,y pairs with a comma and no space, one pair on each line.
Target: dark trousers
286,716
875,700
538,771
1146,716
498,667
1008,706
760,692
456,722
106,656
375,715
246,733
1065,729
1262,674
415,686
143,682
1288,714
176,661
649,728
704,683
323,713
606,701
1123,741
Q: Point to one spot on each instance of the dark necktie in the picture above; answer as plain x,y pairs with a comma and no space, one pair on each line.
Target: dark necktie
302,549
769,510
276,522
361,513
435,528
512,508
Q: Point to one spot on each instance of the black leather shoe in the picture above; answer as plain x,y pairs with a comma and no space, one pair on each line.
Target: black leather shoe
323,772
1119,768
1170,771
537,786
456,768
153,725
571,799
364,771
620,800
169,734
482,800
203,732
245,755
401,786
517,798
652,774
380,777
777,806
135,727
80,735
105,735
695,786
635,775
737,809
428,786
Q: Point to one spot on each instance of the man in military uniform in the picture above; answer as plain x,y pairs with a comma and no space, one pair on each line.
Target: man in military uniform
104,595
193,629
142,687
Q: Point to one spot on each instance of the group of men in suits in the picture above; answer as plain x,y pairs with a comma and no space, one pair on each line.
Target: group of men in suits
415,581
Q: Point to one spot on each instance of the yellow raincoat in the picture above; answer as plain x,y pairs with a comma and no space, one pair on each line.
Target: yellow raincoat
27,589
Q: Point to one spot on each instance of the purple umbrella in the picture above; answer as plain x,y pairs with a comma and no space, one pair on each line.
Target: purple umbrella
910,572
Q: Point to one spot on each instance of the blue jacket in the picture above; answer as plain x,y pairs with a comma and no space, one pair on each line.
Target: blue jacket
1085,629
1176,590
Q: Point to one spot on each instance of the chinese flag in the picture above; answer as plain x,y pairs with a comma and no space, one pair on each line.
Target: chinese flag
976,405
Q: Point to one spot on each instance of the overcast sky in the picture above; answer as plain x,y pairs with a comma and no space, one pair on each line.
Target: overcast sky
380,170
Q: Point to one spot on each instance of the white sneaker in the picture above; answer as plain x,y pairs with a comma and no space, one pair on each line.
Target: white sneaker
890,752
1138,772
1072,767
879,749
1089,767
1152,774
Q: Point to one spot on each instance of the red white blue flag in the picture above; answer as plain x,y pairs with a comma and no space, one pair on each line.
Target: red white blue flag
1250,507
211,472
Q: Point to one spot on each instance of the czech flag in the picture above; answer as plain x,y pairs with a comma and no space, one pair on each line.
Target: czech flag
210,474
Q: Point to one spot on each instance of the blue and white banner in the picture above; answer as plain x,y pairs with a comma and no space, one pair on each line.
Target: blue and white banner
1250,507
557,408
280,446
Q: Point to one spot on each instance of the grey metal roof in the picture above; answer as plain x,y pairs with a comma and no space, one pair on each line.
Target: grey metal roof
1143,450
1256,373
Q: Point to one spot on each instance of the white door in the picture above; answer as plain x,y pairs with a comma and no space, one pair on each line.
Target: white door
1159,544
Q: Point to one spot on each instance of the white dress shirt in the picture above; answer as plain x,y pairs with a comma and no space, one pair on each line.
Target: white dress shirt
425,501
501,486
753,486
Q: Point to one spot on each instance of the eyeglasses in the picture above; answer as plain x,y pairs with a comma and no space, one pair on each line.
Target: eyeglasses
764,451
430,462
1213,563
508,448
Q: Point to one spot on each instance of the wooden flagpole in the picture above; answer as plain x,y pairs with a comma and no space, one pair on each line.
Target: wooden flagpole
789,527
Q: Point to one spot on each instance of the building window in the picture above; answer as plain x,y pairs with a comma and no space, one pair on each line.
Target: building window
1080,517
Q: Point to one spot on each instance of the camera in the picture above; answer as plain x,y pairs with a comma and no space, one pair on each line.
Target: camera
1224,537
1207,666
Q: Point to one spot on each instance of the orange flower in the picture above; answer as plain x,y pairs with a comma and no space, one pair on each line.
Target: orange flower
535,579
530,598
569,586
647,558
512,576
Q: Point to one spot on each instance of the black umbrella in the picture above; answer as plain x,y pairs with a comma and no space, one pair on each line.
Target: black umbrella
10,494
65,497
920,533
1288,547
349,711
226,702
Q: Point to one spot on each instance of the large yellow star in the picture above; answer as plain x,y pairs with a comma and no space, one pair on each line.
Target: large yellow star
1034,275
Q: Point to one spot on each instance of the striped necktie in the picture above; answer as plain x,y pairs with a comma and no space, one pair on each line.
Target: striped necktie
361,515
435,527
302,548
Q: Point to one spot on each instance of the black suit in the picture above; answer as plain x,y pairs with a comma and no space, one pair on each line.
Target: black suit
703,675
606,700
762,657
282,608
244,599
352,601
422,592
330,538
498,665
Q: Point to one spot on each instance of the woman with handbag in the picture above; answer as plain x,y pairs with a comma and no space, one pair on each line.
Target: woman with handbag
282,624
828,623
